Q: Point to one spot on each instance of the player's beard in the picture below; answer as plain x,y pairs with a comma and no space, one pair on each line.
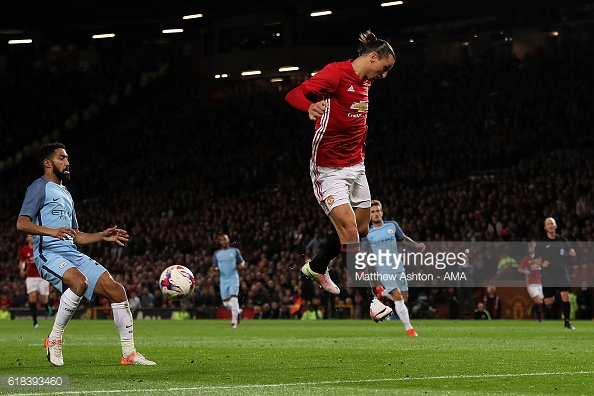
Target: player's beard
61,175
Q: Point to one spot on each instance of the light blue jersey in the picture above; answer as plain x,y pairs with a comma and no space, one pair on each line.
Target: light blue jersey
226,261
383,243
50,205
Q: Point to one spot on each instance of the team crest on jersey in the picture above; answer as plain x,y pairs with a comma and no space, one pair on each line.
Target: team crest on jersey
360,106
330,200
231,255
62,265
390,231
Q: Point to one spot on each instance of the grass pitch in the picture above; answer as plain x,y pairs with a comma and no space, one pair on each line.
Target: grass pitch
339,357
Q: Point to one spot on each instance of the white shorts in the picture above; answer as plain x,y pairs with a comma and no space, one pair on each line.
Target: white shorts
535,291
338,186
38,285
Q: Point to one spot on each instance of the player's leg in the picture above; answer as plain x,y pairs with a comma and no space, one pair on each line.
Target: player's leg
332,187
332,247
43,290
64,276
229,297
235,310
400,297
566,307
549,300
104,285
361,203
32,293
538,308
535,291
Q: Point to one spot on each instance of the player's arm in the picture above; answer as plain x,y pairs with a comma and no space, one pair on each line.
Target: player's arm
540,262
410,242
113,234
324,82
522,267
23,267
25,225
240,261
570,249
215,264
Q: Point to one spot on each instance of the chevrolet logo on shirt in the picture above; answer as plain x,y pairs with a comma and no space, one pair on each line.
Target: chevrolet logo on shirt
360,106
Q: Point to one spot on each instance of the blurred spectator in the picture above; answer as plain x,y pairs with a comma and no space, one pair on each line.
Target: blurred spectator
4,312
134,301
147,298
492,303
480,312
312,312
182,314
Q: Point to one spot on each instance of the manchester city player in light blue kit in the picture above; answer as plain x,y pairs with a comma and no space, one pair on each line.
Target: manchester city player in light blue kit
383,237
226,260
48,214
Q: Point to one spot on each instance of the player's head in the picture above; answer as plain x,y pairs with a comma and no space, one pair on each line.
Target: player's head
376,211
224,241
54,159
29,239
531,246
380,53
550,225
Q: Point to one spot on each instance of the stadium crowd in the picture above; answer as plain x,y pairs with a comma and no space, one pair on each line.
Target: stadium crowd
482,151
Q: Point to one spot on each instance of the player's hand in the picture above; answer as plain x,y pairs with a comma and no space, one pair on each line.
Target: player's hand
317,109
572,252
115,234
421,246
545,264
64,233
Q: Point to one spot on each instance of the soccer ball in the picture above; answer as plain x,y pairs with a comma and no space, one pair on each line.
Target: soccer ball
177,282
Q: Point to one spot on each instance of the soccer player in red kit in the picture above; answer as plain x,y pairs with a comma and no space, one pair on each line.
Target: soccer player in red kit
336,98
37,287
533,281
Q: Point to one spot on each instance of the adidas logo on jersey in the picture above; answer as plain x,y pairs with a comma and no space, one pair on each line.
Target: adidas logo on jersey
351,89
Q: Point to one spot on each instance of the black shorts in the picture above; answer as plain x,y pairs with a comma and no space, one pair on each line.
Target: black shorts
549,292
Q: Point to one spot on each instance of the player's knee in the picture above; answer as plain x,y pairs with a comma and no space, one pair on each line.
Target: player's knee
116,293
79,286
363,230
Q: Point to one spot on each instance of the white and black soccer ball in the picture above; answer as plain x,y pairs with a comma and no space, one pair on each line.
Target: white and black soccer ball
177,282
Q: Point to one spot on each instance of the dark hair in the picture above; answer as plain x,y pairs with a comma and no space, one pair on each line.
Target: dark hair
370,43
46,151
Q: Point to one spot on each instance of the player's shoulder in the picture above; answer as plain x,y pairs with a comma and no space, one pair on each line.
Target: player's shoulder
38,184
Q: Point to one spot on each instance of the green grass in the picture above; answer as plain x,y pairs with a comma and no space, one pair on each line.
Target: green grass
340,357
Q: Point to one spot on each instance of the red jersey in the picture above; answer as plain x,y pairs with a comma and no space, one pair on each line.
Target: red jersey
26,254
339,139
534,277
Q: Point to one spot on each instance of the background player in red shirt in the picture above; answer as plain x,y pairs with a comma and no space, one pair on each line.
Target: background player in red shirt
533,281
37,287
336,98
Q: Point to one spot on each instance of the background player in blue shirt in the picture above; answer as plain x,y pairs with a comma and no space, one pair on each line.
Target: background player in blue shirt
48,214
226,260
384,236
